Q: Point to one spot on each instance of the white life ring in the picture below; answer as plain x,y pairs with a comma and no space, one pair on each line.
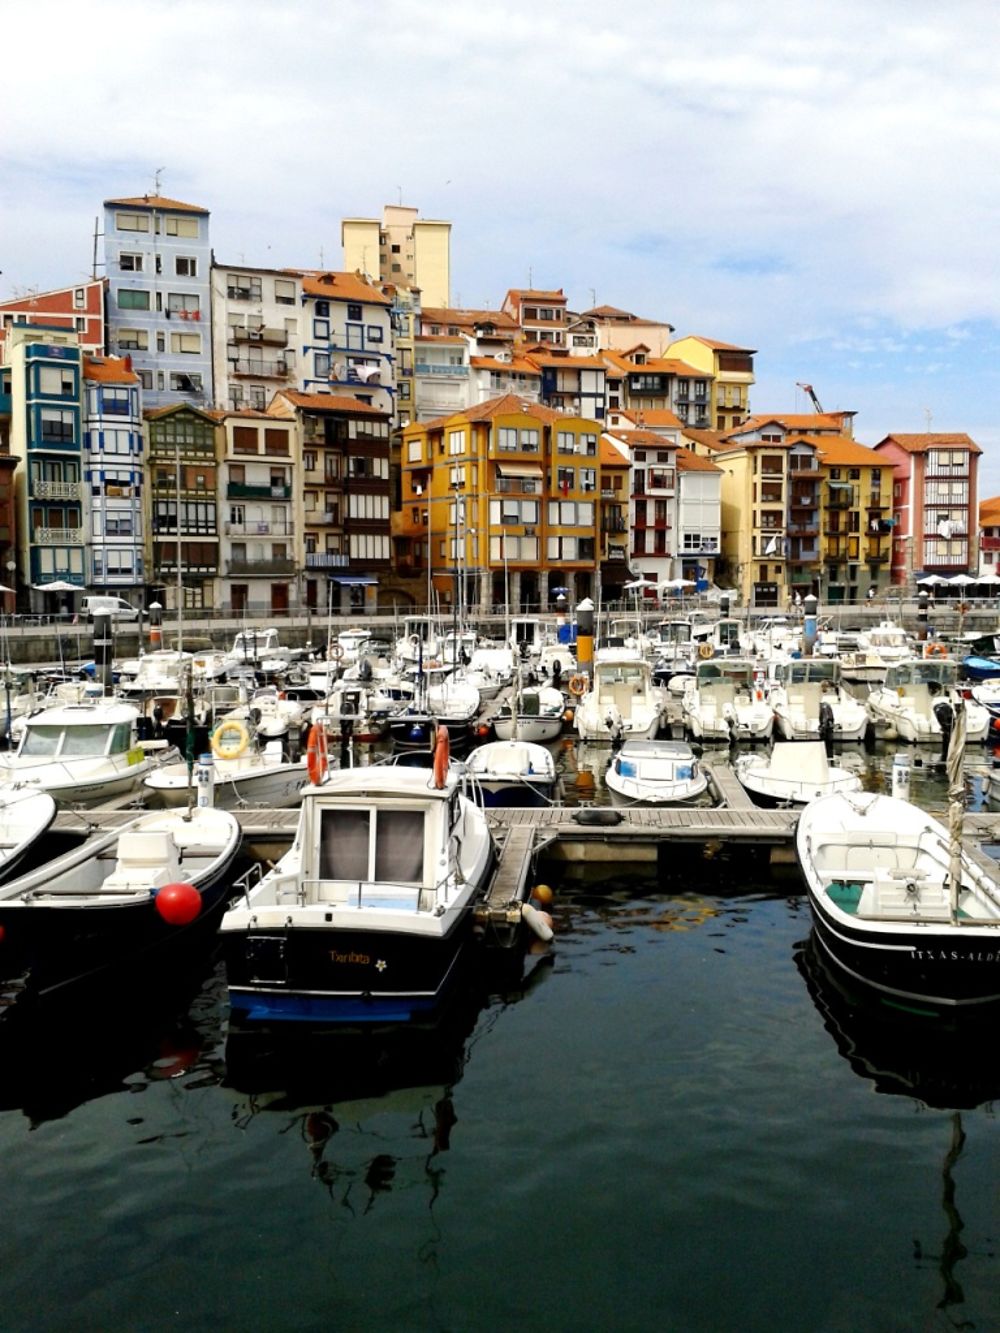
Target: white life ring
232,727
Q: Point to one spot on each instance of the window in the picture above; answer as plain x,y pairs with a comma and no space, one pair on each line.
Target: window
507,438
355,335
129,263
57,424
309,460
145,376
242,287
180,226
589,445
321,362
566,479
353,311
529,440
181,382
132,221
185,266
374,333
588,479
185,342
115,402
323,309
129,299
55,382
185,302
566,442
456,441
133,340
284,291
321,328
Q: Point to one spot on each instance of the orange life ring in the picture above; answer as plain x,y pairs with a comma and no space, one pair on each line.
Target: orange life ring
578,685
442,757
935,650
334,652
317,758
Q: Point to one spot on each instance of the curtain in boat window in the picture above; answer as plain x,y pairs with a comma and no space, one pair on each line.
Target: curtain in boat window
344,844
399,847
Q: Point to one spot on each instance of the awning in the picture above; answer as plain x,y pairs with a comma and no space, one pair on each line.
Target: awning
353,580
519,470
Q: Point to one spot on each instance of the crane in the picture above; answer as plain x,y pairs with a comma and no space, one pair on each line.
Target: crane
808,388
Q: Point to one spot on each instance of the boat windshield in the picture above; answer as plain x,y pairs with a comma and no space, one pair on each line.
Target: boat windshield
922,673
800,672
89,740
373,846
622,673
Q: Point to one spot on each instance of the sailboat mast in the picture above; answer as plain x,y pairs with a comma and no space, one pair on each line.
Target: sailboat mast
180,582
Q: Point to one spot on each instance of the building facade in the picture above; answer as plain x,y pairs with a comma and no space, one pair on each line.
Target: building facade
183,447
114,477
79,307
935,503
731,369
347,334
403,249
256,334
158,260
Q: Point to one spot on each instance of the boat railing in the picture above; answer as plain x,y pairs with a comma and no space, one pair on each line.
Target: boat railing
248,881
975,873
371,895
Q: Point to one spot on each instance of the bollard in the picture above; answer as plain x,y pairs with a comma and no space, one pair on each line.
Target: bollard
103,651
155,626
901,777
205,778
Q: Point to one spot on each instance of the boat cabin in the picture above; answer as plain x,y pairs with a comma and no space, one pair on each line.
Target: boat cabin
77,731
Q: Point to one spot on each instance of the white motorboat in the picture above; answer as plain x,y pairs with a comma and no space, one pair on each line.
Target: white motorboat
622,702
272,714
512,773
794,773
257,650
724,702
810,702
125,897
917,703
895,907
80,753
24,817
655,773
365,918
363,706
534,713
874,651
263,777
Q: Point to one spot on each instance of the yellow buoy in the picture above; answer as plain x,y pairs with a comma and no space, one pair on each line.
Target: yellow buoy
542,894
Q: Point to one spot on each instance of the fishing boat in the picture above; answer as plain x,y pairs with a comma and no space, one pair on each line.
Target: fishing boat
81,753
810,702
794,773
622,702
655,773
534,713
252,776
724,702
365,918
25,816
512,773
897,905
121,898
918,702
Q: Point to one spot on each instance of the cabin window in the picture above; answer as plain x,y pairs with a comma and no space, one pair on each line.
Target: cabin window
348,850
399,849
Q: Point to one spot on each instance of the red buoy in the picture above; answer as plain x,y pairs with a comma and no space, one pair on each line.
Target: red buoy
178,904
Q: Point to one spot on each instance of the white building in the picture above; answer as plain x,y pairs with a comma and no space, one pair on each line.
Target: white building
257,323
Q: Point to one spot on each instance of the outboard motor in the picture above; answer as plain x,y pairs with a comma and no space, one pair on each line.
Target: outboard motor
945,715
556,674
365,669
826,728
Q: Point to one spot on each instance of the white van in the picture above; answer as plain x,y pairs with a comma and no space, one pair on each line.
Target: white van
115,607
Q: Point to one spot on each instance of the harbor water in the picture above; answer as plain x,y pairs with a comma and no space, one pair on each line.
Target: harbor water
673,1119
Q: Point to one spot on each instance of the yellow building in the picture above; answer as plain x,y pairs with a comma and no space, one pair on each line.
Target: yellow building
501,500
731,369
404,249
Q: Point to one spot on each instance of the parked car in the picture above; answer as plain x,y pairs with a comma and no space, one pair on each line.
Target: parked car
115,607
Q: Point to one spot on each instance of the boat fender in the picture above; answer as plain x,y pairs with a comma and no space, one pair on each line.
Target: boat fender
334,652
578,684
231,727
442,755
178,904
535,920
317,757
598,815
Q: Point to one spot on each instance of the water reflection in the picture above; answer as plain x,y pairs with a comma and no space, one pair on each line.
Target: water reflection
945,1064
374,1106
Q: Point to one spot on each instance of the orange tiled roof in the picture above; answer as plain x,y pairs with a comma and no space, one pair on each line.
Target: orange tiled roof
508,404
988,509
438,338
567,362
813,422
519,365
918,444
610,455
691,462
651,416
108,370
341,287
449,315
329,402
709,439
720,347
155,413
156,201
847,453
534,294
657,365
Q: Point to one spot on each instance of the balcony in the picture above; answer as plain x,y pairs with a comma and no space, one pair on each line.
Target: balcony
326,560
989,543
810,528
57,537
613,525
236,490
881,558
269,337
249,568
447,372
55,490
259,529
271,370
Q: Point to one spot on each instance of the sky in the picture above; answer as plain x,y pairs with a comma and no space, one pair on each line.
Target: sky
816,181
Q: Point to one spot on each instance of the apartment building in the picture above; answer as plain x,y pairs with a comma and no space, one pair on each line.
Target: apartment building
158,259
403,249
347,333
605,327
731,369
183,448
113,475
540,315
78,307
257,326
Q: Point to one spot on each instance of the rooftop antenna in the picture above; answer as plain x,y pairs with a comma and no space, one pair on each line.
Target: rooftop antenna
156,180
400,190
593,297
529,277
321,263
928,417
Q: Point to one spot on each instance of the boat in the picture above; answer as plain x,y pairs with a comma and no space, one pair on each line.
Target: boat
257,650
355,709
794,773
621,703
512,773
724,702
81,753
121,898
25,816
655,773
875,650
894,908
271,712
365,918
536,714
918,701
261,777
810,702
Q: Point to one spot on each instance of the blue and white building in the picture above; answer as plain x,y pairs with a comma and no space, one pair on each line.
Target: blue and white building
113,460
158,263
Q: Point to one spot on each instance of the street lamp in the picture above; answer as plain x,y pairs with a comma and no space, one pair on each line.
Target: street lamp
11,574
